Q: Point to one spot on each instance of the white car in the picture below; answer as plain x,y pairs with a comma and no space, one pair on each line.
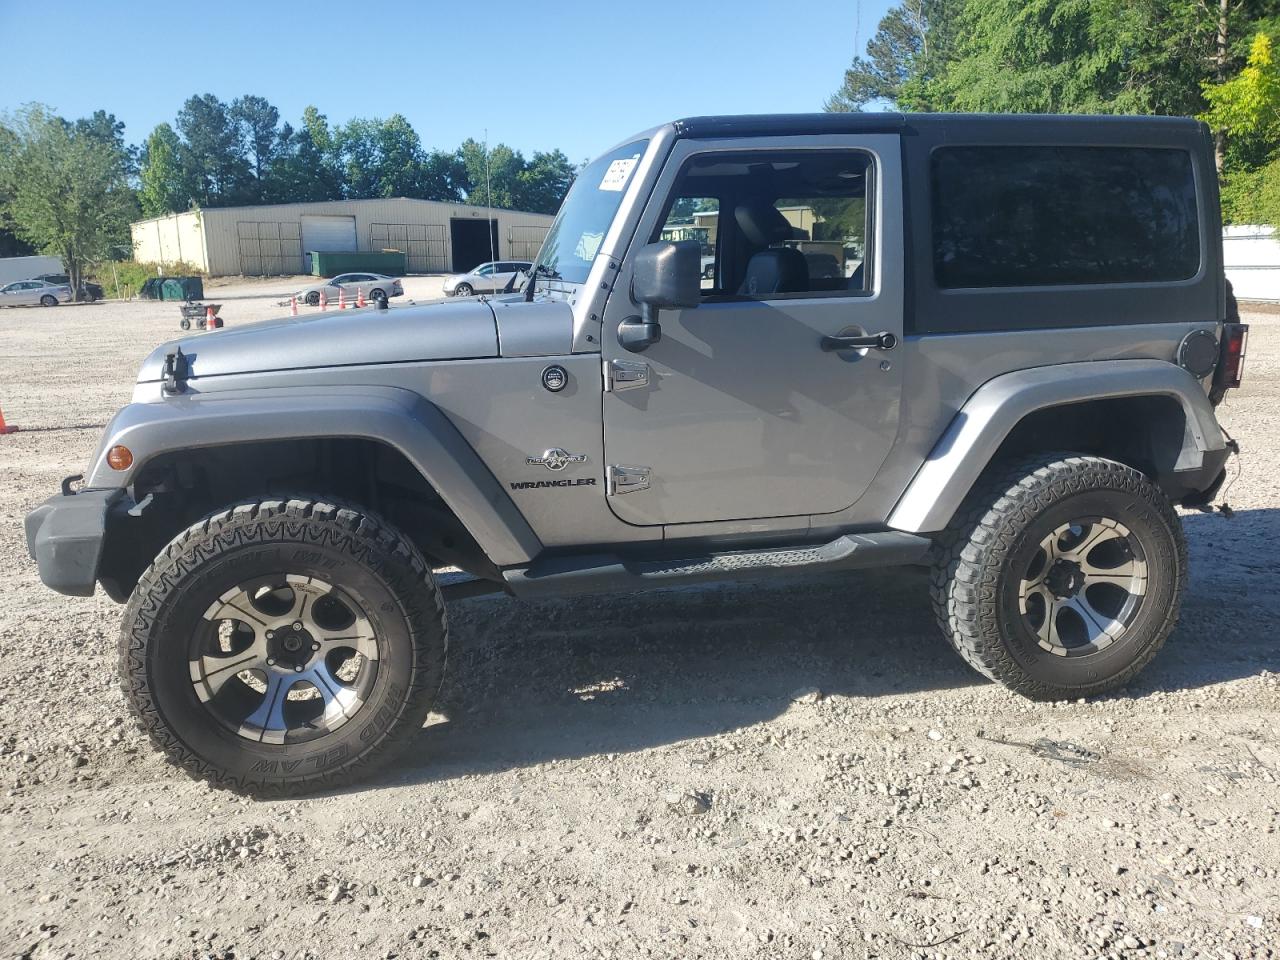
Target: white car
374,286
34,293
486,278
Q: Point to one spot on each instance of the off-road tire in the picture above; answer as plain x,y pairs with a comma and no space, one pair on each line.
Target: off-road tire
304,536
1010,508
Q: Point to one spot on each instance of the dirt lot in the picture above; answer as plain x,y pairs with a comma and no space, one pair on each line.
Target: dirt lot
631,776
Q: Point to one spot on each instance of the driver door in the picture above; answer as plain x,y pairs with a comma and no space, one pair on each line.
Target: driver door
738,412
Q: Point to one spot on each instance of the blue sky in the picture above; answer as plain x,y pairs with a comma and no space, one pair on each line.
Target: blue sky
598,71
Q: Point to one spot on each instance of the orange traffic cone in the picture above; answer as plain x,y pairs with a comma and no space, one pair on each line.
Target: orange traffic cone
342,298
359,296
324,301
210,321
293,306
4,427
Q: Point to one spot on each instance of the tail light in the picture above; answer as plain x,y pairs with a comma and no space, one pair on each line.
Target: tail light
1235,341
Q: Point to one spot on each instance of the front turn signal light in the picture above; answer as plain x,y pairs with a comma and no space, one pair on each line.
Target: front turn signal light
119,457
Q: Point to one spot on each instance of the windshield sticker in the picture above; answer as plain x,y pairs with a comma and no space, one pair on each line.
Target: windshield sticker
615,178
588,245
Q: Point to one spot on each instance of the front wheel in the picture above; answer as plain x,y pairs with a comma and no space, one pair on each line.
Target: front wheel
280,647
463,290
48,300
1061,576
313,299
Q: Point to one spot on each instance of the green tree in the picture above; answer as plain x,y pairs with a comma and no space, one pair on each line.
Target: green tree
544,182
1246,108
493,177
443,176
257,121
213,152
64,189
164,184
911,43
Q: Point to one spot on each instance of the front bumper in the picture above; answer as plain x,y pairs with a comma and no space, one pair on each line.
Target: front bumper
65,535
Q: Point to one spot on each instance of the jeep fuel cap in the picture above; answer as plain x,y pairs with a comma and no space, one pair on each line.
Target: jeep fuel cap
555,378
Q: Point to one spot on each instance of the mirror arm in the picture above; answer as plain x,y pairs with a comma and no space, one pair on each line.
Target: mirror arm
638,334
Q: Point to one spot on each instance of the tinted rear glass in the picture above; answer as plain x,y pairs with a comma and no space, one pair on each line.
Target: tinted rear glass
1044,216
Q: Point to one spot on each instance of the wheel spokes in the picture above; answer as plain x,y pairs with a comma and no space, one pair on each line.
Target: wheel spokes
1059,582
211,672
267,723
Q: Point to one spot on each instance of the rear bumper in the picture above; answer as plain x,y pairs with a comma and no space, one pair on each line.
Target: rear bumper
65,535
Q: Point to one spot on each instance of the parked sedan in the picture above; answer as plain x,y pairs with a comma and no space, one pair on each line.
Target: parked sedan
375,286
89,292
34,293
486,278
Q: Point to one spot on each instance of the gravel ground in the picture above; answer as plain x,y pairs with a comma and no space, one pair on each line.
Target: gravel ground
801,770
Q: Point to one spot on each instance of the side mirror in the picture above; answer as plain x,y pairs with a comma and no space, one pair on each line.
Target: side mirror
666,276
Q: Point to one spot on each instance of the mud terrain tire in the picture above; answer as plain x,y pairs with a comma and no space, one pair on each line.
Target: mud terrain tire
980,565
343,545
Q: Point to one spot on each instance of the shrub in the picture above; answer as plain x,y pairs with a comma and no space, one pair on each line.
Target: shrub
131,275
1253,196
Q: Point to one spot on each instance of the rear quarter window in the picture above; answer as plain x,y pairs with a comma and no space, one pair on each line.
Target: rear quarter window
1007,216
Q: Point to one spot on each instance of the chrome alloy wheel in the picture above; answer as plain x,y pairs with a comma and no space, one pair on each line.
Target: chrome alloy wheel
1083,587
284,659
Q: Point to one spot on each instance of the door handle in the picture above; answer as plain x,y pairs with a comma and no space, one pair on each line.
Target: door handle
877,341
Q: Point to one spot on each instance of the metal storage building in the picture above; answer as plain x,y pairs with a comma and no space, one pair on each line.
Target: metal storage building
276,239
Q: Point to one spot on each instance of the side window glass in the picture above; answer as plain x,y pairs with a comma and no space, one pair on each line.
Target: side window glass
777,224
1048,216
696,218
484,270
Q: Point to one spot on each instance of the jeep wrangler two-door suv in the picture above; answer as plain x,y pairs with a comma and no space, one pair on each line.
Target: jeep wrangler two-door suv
1004,368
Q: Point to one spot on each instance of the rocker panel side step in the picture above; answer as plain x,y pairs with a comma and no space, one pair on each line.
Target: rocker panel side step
609,573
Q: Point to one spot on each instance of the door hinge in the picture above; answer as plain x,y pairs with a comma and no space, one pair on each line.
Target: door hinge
627,479
622,375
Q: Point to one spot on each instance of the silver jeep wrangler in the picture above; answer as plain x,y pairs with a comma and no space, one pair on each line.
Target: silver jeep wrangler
989,345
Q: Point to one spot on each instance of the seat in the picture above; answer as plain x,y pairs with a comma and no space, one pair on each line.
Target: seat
771,269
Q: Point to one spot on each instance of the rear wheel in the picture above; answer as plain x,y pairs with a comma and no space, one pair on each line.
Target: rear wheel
377,293
1061,576
48,300
280,647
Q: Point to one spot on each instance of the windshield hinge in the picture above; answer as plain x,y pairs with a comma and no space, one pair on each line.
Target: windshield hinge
628,479
622,375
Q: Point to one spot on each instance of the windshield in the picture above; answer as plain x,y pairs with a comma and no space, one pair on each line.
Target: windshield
584,218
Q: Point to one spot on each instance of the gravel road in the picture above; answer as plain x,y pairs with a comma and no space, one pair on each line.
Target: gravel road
799,770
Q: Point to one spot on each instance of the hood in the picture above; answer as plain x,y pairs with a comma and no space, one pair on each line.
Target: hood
449,330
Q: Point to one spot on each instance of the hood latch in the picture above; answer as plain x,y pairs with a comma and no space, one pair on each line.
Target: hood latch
175,373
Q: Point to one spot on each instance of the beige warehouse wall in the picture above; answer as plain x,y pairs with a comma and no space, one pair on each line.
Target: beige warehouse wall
227,230
171,239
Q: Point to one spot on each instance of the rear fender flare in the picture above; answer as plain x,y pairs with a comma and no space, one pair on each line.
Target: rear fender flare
402,419
986,419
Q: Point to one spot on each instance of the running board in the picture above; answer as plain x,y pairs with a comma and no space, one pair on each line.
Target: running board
609,573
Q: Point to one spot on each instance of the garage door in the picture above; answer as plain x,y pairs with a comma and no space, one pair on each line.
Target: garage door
327,235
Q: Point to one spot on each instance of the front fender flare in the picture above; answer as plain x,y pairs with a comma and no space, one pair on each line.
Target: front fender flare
987,417
400,418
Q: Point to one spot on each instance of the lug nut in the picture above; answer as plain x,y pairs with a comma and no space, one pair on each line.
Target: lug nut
297,669
270,662
271,634
315,646
297,626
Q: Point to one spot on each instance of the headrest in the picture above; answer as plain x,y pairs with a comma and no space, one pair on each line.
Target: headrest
762,223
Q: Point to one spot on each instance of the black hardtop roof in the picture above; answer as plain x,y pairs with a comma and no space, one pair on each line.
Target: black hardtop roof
1069,126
